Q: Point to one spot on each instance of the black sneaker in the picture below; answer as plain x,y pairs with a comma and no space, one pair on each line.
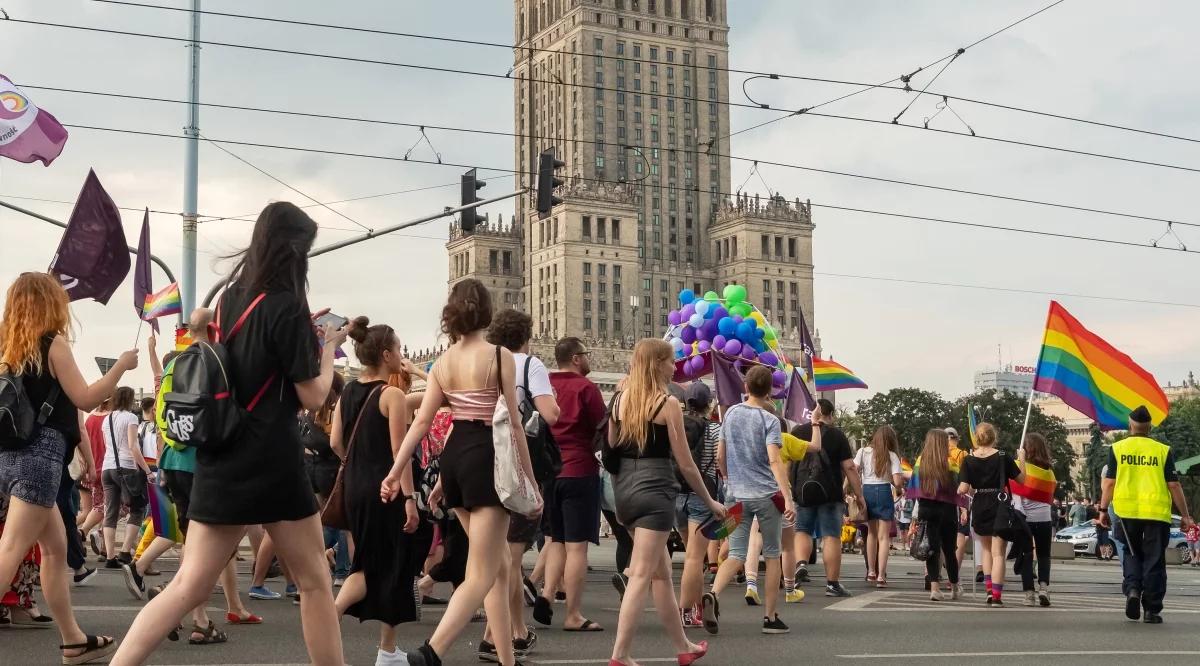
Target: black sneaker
424,656
560,596
112,564
710,609
620,581
774,626
530,591
543,612
133,581
802,573
487,652
85,577
96,543
125,558
523,646
1133,605
979,576
836,590
741,578
1152,618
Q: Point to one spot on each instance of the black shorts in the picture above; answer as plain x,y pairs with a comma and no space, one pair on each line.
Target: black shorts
573,510
179,489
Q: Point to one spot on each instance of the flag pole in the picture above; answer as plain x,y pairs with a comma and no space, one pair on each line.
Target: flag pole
138,337
1037,371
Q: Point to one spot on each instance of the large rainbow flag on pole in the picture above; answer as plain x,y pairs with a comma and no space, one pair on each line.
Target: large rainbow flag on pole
1039,484
1093,376
831,376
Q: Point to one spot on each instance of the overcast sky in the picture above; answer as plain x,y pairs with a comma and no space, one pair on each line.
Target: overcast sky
1131,64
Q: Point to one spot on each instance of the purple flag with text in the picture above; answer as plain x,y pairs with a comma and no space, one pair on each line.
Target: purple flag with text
809,350
27,133
143,282
92,258
800,402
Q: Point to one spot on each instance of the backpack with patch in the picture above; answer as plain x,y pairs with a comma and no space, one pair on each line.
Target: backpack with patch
200,409
813,481
544,454
18,421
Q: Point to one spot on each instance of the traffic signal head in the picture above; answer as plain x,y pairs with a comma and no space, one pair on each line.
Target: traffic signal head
547,182
471,217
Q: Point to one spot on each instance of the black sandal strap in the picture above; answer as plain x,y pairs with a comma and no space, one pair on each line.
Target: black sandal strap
93,642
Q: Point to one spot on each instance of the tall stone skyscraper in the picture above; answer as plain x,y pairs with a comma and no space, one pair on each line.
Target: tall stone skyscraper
631,95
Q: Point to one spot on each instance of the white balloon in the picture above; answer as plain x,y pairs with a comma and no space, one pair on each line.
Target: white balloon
702,307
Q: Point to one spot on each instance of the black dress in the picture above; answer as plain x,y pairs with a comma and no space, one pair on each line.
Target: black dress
387,556
988,477
260,478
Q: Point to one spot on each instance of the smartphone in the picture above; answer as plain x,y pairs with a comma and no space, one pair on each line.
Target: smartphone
338,321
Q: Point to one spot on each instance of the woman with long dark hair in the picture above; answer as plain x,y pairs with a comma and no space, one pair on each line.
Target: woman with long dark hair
937,495
1036,451
259,478
646,432
879,465
388,552
471,377
33,345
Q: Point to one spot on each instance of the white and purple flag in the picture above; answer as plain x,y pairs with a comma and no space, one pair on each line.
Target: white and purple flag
27,133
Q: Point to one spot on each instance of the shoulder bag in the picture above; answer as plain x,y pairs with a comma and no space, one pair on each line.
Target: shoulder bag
1010,524
133,481
333,514
517,492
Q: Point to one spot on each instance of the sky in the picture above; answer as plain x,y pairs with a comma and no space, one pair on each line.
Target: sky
1122,63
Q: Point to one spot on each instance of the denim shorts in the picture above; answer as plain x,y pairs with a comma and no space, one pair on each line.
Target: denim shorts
770,526
689,508
824,520
880,505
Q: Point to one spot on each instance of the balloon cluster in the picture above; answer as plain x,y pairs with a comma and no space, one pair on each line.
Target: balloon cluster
726,323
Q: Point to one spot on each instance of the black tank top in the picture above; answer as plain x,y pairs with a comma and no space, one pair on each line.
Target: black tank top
658,439
64,418
372,446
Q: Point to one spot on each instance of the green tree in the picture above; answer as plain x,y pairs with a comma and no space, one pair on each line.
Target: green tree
1006,411
1181,431
1095,455
911,411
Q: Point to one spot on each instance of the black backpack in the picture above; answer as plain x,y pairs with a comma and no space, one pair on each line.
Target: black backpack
201,409
544,454
813,481
695,429
18,421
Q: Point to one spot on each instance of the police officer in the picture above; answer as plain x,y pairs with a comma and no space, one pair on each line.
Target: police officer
1140,484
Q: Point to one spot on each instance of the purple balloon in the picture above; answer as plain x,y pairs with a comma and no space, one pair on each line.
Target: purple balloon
697,363
733,347
748,353
704,346
778,377
720,312
686,312
674,318
687,369
718,342
769,358
737,319
688,335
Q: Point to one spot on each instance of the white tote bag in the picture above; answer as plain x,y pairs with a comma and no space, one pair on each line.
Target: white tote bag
517,492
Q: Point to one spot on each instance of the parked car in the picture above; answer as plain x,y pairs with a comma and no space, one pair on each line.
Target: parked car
1083,538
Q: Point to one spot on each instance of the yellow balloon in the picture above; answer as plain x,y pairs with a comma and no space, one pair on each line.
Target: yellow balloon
757,317
695,347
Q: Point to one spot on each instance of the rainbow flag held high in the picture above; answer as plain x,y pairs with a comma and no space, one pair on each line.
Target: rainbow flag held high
163,303
715,529
1039,484
972,425
831,376
164,515
1093,376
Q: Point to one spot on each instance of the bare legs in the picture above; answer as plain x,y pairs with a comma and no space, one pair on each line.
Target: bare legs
691,583
878,546
649,570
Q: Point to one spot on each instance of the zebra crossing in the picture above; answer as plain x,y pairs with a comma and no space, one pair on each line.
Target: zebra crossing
903,600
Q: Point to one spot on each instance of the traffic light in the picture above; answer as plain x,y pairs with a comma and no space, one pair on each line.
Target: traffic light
547,181
470,218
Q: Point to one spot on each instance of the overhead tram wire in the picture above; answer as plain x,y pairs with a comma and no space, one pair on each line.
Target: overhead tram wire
392,158
697,100
687,151
797,77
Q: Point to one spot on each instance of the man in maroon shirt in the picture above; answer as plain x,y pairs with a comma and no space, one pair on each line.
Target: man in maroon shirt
573,500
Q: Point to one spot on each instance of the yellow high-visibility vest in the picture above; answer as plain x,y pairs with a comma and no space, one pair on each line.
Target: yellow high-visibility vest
1141,489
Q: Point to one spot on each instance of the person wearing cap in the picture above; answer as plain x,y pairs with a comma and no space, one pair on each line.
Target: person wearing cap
1140,485
703,433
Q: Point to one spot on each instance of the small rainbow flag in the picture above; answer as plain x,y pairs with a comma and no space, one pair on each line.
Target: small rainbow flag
1039,484
1093,376
716,529
183,339
905,466
164,515
162,303
831,376
972,424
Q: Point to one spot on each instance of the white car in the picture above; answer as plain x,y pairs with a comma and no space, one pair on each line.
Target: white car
1083,538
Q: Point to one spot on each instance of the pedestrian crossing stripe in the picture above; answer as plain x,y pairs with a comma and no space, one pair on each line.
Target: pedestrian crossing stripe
898,601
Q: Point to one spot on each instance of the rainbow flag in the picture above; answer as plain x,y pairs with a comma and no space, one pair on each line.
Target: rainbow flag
954,463
1093,376
972,424
164,515
721,529
183,339
905,466
162,303
831,376
1039,484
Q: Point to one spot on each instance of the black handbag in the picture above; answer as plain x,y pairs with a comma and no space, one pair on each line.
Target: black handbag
920,549
1010,524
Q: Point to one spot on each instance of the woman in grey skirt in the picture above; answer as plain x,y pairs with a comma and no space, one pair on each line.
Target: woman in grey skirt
645,433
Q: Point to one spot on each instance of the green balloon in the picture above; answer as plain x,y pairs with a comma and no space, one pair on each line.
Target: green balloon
740,309
770,334
734,294
712,297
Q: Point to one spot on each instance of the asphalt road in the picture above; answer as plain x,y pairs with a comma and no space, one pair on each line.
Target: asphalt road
1085,625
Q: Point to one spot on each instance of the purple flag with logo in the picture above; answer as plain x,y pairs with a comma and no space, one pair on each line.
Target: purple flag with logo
727,379
27,133
143,282
800,403
92,258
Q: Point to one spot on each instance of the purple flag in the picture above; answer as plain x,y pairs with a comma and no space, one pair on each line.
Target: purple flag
800,403
27,133
809,350
143,282
92,258
727,379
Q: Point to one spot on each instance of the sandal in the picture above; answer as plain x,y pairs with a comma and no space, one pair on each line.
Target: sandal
587,625
94,648
881,582
210,636
871,576
248,618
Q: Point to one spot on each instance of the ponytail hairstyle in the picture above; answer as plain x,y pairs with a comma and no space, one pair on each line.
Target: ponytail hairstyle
985,435
468,309
644,387
934,470
370,342
884,443
1037,450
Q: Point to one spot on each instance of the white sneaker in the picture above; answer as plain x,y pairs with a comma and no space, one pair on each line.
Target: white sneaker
1044,596
1029,598
956,592
935,594
397,658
